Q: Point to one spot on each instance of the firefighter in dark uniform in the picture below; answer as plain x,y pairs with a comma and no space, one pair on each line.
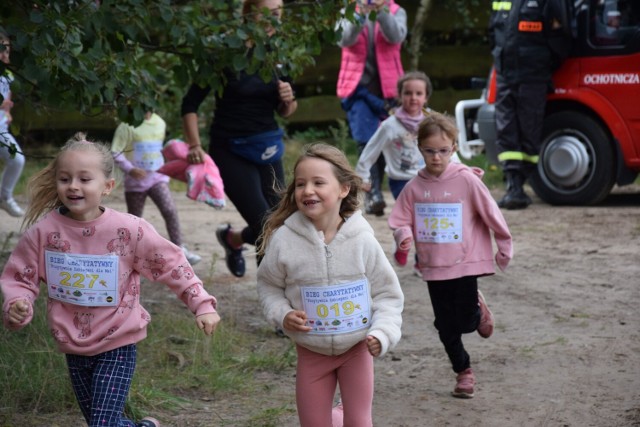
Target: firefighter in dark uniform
529,39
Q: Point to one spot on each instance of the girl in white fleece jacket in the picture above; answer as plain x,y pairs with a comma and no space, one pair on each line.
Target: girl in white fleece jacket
327,283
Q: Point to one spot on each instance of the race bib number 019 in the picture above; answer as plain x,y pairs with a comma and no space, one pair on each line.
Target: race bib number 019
438,222
337,309
86,280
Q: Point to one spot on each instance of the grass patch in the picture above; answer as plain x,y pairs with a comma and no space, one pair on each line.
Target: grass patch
175,362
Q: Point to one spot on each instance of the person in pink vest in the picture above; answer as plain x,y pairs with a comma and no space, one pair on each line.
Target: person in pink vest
369,71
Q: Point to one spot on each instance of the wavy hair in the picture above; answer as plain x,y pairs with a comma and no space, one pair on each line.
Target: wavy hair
343,172
41,187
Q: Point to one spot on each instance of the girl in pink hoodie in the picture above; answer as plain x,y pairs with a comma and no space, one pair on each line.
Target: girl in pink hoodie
91,259
450,214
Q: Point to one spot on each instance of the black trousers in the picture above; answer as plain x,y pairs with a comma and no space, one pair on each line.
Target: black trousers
455,305
519,118
252,188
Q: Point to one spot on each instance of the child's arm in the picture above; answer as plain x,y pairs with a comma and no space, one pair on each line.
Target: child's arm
493,218
387,299
162,261
370,154
20,284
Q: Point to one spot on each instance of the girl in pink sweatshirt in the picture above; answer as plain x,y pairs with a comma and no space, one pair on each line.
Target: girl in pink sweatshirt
450,214
91,259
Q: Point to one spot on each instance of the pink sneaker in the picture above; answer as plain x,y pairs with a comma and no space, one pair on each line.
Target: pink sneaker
401,257
485,328
465,381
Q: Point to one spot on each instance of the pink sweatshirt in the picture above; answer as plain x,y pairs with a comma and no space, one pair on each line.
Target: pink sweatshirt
124,247
450,218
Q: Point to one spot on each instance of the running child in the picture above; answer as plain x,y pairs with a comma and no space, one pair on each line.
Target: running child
450,214
97,320
138,153
10,151
327,283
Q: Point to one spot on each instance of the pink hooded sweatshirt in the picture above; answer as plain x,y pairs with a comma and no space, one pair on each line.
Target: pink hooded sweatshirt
451,218
99,262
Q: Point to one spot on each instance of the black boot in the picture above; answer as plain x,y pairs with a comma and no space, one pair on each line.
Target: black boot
374,201
515,198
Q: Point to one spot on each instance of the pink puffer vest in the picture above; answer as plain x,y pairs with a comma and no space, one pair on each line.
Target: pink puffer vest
354,59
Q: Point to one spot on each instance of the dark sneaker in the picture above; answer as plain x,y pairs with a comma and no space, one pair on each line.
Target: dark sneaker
485,328
235,260
149,422
465,381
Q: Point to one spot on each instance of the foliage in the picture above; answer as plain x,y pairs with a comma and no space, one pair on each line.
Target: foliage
122,56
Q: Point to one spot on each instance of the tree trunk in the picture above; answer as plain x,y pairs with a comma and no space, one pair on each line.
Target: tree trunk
416,34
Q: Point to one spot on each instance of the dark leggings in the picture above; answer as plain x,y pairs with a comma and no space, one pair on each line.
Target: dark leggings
101,384
161,196
253,189
456,310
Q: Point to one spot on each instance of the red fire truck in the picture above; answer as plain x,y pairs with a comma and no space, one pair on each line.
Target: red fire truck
591,133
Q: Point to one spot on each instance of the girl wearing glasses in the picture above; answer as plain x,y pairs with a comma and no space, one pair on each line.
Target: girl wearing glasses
450,214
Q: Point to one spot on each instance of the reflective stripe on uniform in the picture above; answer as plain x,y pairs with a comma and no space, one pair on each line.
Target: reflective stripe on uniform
517,155
530,26
501,5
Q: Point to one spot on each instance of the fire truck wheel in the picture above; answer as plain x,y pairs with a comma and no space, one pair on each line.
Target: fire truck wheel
577,160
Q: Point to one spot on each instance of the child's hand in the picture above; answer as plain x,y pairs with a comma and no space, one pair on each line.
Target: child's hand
296,321
374,346
138,173
366,186
208,322
19,311
405,245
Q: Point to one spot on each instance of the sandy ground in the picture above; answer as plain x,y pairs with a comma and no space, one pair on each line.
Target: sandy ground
565,352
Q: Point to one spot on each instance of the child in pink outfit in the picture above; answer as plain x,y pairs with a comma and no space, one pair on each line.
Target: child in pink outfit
91,259
450,215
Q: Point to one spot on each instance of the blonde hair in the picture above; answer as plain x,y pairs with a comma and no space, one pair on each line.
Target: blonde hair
343,172
41,187
436,124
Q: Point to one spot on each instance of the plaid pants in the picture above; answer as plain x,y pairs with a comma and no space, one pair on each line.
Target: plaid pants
101,384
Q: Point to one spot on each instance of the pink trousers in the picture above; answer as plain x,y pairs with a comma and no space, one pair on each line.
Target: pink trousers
316,380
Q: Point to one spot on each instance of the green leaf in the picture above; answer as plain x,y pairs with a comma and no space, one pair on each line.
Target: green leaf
239,62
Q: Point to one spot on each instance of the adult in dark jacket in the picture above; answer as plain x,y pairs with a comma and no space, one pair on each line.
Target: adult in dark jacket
529,39
244,120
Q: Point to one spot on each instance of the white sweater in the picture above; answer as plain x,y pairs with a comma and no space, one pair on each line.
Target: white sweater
399,147
297,257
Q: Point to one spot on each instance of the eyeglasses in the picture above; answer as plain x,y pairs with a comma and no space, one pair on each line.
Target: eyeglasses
443,152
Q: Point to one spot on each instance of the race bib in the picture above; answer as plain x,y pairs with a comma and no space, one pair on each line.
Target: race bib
337,309
438,222
86,280
147,155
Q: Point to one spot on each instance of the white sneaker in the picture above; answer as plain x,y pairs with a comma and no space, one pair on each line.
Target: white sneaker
192,257
11,207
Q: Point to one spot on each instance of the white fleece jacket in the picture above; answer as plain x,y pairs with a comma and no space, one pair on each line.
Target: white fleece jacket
297,257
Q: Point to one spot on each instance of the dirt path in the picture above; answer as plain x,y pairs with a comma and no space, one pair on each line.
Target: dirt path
566,350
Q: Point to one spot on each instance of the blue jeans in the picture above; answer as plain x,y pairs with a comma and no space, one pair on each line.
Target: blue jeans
396,186
101,384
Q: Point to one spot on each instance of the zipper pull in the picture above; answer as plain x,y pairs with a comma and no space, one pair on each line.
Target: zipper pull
328,253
